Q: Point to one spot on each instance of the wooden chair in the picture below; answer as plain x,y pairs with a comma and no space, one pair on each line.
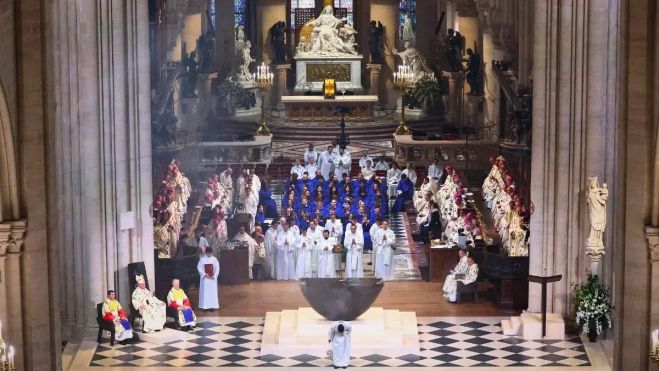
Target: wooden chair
462,289
103,324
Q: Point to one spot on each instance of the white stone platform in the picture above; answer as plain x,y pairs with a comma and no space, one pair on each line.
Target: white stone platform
165,336
303,331
529,326
354,82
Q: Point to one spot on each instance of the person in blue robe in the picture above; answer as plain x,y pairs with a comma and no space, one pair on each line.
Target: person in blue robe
259,218
265,200
404,192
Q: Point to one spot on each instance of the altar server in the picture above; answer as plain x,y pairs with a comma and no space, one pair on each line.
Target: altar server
393,177
298,169
460,268
354,242
286,242
343,164
384,241
326,257
209,269
310,155
340,342
177,299
151,308
381,165
365,157
112,311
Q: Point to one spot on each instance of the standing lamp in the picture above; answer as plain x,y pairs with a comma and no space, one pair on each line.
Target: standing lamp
264,80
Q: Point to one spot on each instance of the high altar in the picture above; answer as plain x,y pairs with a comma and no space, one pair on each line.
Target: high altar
327,49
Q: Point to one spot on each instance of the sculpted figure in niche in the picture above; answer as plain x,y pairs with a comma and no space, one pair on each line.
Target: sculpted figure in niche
414,59
246,61
406,30
596,198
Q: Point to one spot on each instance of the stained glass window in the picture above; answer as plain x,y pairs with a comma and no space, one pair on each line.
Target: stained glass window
407,8
299,4
240,12
347,4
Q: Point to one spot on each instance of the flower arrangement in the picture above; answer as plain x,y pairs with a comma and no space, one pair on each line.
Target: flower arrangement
592,306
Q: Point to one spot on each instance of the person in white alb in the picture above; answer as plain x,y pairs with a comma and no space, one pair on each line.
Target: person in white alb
303,262
364,158
270,244
328,161
393,177
354,242
411,174
315,233
243,236
384,241
435,171
286,242
340,343
334,225
382,165
343,164
226,181
469,277
298,169
209,269
326,256
311,168
460,268
251,204
373,231
310,155
368,171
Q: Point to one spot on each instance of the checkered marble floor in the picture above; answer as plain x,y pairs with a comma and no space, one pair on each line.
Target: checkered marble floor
445,342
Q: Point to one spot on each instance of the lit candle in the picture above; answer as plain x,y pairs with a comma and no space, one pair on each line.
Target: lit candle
11,356
655,340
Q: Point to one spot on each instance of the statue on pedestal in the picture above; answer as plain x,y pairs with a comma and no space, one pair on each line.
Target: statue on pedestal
190,75
474,73
246,59
406,30
415,60
451,52
596,198
328,36
278,41
376,42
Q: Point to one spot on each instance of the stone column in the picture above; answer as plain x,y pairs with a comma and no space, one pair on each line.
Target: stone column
267,13
103,69
280,88
387,12
224,35
491,86
426,19
574,132
374,86
454,98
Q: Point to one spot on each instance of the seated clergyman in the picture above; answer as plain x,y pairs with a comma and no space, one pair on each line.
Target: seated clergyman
469,277
112,311
151,308
178,300
460,268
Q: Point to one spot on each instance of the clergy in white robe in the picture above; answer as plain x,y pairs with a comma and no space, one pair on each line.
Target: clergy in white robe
326,267
242,236
375,227
311,169
384,241
460,268
303,262
112,311
381,165
251,206
286,242
226,181
270,244
411,174
343,163
310,154
328,161
340,342
354,242
393,177
151,308
435,170
365,157
368,171
209,269
177,299
315,233
469,277
335,227
298,169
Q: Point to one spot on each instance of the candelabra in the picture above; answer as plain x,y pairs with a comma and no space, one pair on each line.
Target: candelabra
403,80
6,355
264,81
654,351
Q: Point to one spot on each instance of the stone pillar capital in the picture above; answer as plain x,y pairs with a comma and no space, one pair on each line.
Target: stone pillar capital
652,235
11,236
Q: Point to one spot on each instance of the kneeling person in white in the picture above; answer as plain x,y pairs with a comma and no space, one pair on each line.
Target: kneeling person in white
209,269
469,277
339,339
384,241
325,256
460,268
354,242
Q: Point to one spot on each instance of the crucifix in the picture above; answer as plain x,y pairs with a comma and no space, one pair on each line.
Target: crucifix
544,281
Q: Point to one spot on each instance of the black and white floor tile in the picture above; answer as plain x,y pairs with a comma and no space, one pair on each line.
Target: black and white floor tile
445,342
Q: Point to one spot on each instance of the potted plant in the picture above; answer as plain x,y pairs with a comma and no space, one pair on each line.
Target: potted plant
427,95
593,307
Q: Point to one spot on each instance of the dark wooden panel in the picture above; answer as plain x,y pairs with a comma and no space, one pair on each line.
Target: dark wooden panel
234,265
441,262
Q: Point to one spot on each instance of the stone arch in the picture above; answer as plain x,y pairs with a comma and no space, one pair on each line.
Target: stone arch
8,177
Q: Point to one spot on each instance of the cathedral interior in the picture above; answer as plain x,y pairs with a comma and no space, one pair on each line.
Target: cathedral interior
486,173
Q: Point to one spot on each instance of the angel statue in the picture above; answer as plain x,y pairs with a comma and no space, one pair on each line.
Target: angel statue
596,198
411,57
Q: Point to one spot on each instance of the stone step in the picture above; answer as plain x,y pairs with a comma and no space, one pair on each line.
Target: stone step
531,328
